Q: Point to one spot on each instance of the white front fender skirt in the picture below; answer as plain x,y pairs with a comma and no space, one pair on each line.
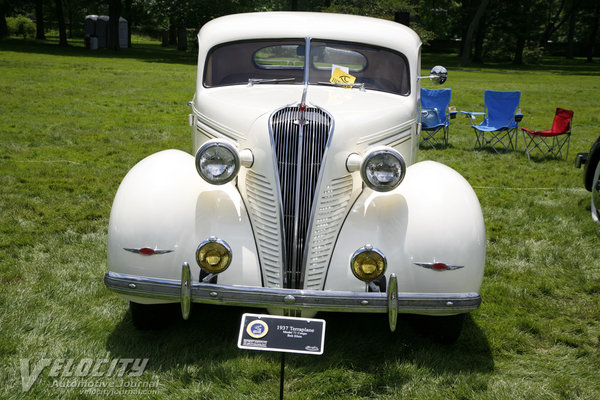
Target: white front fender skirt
164,206
433,217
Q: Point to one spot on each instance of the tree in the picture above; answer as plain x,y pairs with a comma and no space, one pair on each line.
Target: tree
524,23
473,25
593,33
571,31
62,28
556,20
385,9
39,20
438,17
114,13
130,21
5,9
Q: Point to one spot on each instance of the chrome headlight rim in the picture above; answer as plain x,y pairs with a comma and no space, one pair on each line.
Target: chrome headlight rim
201,257
222,145
368,249
385,151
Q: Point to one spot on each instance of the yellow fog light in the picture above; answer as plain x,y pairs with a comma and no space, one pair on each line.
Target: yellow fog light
213,255
368,263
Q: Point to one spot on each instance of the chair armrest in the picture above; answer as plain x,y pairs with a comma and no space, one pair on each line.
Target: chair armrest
471,115
518,117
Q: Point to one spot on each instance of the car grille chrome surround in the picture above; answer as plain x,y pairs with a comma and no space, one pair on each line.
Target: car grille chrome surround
300,136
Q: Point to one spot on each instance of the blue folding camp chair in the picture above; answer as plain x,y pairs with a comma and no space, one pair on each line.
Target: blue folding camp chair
434,103
499,128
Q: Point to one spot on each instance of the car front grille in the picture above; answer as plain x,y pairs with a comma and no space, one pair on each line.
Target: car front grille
300,139
262,205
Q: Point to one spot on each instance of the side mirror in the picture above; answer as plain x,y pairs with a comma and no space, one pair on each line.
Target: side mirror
438,75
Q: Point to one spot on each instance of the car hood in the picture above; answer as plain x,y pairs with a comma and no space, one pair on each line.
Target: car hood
233,110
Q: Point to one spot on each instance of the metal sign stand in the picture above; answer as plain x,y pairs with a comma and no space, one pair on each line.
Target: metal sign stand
282,376
282,334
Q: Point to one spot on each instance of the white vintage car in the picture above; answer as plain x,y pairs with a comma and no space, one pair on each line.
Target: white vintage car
591,176
303,192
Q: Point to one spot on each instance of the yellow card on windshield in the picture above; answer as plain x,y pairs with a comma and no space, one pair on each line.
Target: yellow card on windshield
339,76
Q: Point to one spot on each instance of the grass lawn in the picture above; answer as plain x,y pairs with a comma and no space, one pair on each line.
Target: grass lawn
73,122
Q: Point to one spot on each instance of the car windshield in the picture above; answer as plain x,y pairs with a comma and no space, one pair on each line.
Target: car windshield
331,62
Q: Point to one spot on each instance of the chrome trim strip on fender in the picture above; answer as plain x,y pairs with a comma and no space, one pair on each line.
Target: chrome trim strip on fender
297,299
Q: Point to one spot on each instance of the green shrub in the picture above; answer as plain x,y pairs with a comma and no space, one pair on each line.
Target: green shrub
533,54
21,26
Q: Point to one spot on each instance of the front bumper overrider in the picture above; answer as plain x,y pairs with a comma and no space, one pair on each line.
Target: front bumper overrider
391,302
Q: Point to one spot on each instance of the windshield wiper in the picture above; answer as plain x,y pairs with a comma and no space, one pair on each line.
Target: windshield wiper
360,86
253,81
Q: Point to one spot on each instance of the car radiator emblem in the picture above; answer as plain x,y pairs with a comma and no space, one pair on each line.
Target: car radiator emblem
147,251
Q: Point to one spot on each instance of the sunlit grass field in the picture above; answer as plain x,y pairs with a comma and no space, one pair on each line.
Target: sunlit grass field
73,122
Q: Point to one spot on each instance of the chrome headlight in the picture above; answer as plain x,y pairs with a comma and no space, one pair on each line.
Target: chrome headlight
368,263
213,255
383,169
217,162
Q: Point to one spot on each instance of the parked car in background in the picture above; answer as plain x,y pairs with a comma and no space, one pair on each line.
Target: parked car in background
591,175
303,192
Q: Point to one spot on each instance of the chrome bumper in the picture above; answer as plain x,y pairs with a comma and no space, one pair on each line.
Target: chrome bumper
392,302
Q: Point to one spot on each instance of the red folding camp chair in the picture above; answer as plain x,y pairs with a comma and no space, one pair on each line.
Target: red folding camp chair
551,141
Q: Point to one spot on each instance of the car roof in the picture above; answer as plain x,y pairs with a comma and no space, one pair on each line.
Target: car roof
342,27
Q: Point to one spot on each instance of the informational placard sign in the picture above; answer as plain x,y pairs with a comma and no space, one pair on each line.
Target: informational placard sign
283,334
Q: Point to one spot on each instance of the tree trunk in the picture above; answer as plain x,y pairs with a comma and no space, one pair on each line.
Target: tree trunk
129,18
464,19
181,39
468,43
62,28
593,33
3,24
172,32
571,34
70,14
114,13
39,20
518,59
479,39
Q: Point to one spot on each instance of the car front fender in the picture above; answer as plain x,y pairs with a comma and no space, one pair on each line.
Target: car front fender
163,210
433,217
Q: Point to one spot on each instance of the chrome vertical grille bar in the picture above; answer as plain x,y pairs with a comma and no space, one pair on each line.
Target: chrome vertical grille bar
300,138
